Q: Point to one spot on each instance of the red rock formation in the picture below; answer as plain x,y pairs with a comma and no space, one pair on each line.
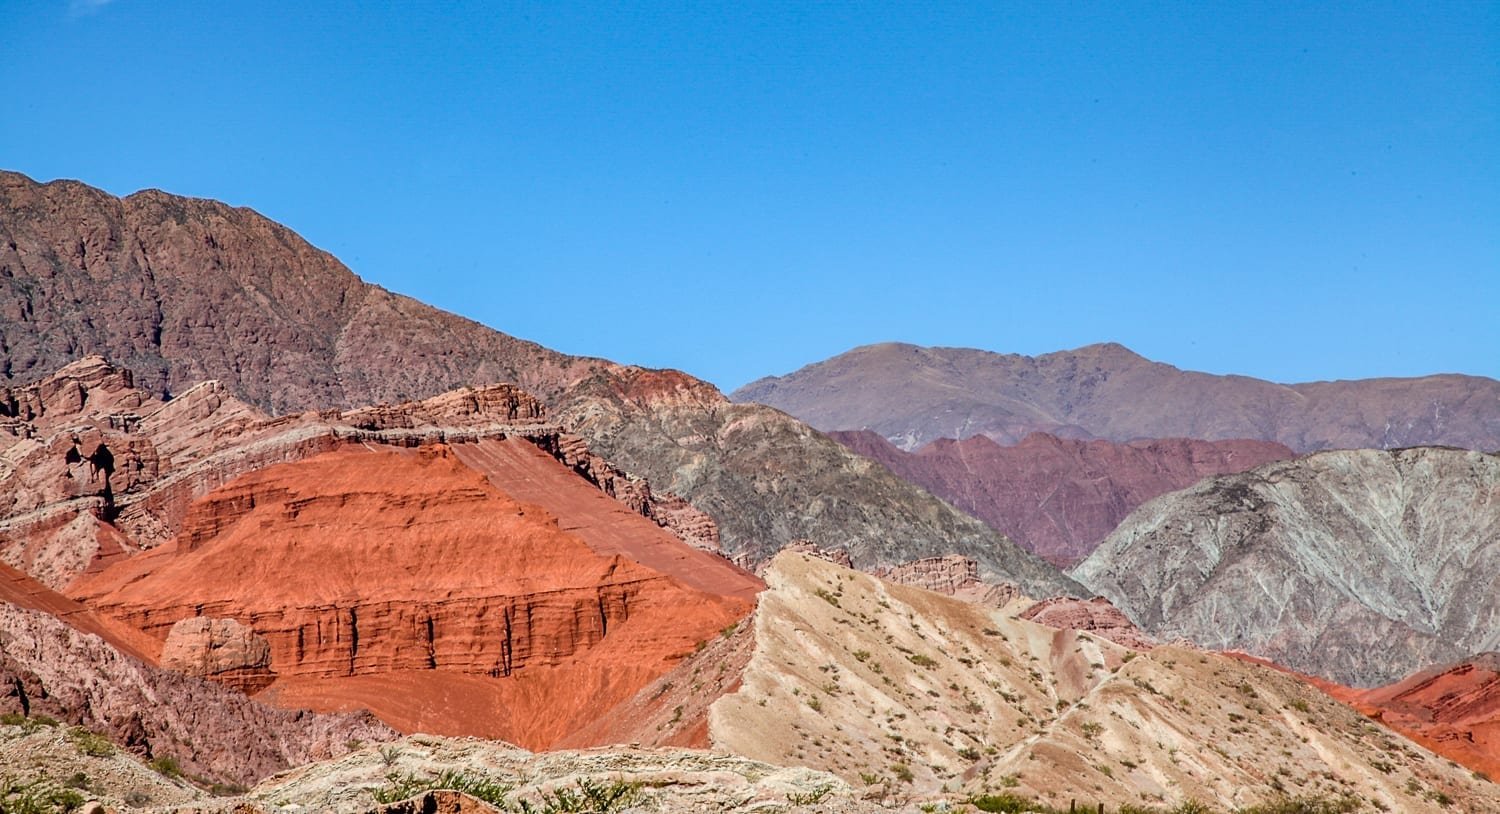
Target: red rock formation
952,575
1453,710
381,576
221,650
48,666
1057,497
1096,616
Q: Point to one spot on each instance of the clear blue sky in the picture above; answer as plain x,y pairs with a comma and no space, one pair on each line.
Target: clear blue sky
1288,190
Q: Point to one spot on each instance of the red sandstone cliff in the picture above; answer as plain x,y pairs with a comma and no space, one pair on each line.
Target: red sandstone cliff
389,578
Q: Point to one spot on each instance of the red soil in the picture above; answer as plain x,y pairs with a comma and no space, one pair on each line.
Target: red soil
1454,709
442,599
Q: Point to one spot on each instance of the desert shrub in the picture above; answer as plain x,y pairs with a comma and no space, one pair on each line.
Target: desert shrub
400,787
166,765
1306,805
587,797
91,744
37,797
810,798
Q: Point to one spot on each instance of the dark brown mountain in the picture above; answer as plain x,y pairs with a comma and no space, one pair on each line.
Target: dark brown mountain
1059,497
913,395
181,290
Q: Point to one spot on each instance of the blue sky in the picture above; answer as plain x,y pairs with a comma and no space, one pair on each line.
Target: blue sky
1291,191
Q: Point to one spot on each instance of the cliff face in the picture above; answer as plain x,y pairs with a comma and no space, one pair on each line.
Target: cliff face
1057,497
364,563
914,395
1361,566
184,290
50,667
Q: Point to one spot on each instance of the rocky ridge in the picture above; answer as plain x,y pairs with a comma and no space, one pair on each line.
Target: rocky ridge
914,395
1056,497
1320,562
183,290
914,696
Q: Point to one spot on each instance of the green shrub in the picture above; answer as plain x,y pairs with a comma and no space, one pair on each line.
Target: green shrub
588,797
810,798
37,797
166,765
400,788
91,744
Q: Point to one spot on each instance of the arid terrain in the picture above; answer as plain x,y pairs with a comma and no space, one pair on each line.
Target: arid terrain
275,540
1361,566
913,395
1057,497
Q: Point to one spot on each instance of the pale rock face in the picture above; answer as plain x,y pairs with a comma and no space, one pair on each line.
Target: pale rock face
222,650
1361,566
952,575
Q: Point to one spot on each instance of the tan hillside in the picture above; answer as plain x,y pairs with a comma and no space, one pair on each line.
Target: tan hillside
886,685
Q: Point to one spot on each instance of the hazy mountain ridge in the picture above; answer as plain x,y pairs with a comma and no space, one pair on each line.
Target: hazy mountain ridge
913,395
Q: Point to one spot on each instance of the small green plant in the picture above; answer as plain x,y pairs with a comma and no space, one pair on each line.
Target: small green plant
809,798
587,797
166,766
1300,705
922,661
91,744
389,754
400,787
902,772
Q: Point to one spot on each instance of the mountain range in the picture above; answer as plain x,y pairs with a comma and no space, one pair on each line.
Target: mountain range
184,290
913,395
273,539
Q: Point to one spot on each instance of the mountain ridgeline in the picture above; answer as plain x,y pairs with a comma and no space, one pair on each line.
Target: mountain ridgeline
914,395
182,290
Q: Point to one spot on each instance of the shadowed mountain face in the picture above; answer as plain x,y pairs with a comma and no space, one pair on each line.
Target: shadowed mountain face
1059,497
913,395
181,290
1362,566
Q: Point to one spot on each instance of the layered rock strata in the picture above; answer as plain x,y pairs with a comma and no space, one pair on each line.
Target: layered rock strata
376,572
288,328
